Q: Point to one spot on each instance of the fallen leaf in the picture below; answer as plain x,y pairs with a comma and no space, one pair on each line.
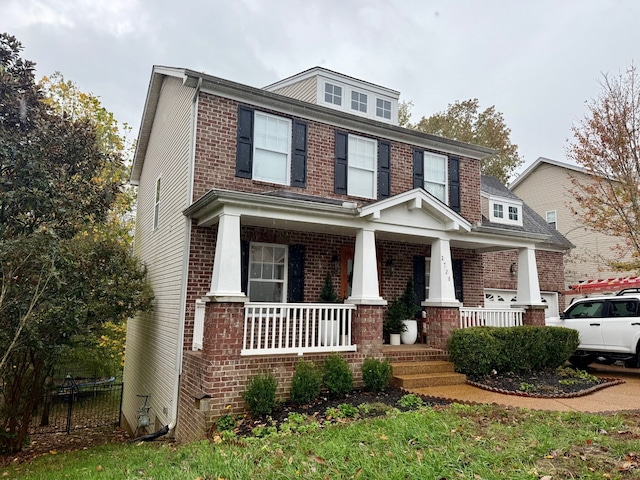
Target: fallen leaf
546,477
384,437
358,472
319,460
99,468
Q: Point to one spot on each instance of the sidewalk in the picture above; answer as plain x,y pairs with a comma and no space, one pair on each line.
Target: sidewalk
625,396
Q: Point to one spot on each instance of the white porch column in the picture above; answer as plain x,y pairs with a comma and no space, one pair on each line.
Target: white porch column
364,289
226,279
442,292
528,285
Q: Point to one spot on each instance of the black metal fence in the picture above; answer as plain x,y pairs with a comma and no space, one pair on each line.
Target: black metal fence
78,404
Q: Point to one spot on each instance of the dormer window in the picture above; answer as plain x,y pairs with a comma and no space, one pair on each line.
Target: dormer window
359,101
332,93
505,211
383,108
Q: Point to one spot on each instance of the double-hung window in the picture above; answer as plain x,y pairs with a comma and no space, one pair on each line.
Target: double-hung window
435,175
267,272
362,167
271,148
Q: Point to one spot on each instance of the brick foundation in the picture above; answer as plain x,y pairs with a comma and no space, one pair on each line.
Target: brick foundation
214,380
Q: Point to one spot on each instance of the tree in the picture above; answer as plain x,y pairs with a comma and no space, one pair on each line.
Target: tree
464,122
61,276
607,143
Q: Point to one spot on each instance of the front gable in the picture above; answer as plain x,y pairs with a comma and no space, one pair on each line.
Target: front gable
415,209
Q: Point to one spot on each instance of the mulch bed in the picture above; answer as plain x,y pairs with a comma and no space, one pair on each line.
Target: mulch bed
540,385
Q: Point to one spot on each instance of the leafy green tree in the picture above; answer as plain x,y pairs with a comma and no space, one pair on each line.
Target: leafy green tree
61,276
463,121
607,143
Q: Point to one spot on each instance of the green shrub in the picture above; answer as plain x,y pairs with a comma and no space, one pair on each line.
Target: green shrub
306,383
261,394
480,350
337,375
376,374
411,400
226,422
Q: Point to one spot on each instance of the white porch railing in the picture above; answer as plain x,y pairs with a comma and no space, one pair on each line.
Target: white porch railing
198,325
282,328
485,317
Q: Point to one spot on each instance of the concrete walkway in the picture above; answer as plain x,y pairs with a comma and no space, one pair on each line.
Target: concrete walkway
625,396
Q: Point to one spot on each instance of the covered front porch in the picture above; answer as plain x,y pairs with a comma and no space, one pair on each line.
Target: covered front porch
369,252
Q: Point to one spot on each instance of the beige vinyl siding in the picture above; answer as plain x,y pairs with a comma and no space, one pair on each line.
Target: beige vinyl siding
153,342
548,187
305,90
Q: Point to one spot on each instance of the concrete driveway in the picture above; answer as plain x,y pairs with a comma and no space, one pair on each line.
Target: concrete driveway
625,396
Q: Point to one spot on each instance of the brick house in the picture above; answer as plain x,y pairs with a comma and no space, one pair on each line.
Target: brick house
248,198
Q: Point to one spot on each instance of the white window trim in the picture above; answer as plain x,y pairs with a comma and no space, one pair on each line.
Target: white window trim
287,152
446,175
375,166
284,281
505,211
157,192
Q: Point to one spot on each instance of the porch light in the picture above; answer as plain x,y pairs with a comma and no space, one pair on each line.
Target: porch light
512,268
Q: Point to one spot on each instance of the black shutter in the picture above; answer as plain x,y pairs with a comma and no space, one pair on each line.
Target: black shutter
341,164
244,267
299,155
418,277
296,274
457,279
454,184
418,168
244,149
384,170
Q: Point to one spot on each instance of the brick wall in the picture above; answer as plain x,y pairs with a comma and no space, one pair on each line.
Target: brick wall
216,136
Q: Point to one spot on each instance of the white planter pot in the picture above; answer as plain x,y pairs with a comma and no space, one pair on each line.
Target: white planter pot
394,339
410,335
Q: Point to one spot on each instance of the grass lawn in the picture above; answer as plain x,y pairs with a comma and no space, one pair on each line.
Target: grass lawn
471,442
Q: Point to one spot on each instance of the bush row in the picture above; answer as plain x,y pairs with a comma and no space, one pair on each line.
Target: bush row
480,350
308,380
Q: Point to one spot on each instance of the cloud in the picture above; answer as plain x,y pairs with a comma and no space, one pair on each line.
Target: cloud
114,17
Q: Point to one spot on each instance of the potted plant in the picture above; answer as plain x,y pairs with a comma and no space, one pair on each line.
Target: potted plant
412,308
394,324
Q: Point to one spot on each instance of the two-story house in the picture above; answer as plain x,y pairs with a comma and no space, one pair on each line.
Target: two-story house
547,187
248,197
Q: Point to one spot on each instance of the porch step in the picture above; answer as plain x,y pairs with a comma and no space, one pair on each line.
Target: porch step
412,375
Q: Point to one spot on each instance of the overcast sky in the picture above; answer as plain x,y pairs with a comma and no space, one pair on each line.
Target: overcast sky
537,61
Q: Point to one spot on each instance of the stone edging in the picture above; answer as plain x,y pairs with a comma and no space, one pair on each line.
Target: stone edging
608,382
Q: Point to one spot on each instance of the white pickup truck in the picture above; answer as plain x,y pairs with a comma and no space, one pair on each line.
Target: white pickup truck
609,328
